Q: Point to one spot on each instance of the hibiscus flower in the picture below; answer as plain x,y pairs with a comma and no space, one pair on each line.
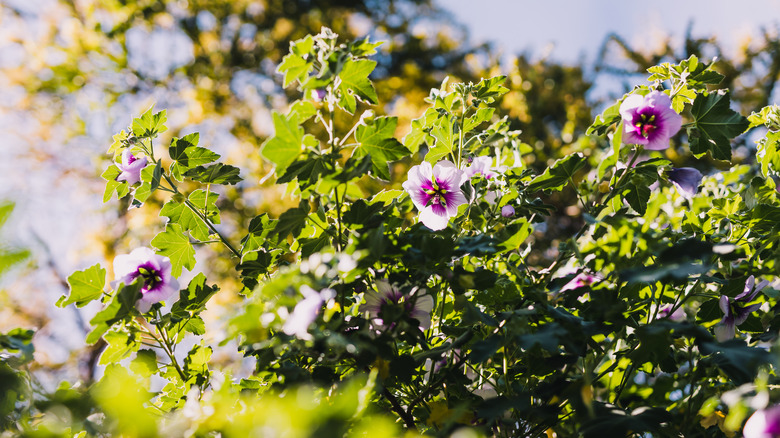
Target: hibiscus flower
387,302
131,167
435,191
153,270
649,120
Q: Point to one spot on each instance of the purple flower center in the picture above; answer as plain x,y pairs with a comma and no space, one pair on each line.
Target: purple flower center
436,194
131,159
645,124
151,276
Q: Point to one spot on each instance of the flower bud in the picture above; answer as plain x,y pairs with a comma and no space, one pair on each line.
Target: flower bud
507,211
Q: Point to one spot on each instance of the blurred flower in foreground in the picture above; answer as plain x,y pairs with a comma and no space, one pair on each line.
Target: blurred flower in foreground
507,211
686,179
155,273
582,279
763,424
649,120
388,303
676,315
435,191
306,311
131,167
734,310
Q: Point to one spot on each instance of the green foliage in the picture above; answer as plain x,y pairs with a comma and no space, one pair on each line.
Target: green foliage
576,294
375,139
714,125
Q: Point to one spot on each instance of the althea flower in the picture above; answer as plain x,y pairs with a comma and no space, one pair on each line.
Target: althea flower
306,311
435,191
153,270
507,211
763,424
387,302
735,312
686,180
131,167
649,120
482,166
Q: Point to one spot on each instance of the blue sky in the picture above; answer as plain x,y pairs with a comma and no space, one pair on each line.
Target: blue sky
569,29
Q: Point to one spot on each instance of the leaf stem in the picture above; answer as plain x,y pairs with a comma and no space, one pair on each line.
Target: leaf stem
637,150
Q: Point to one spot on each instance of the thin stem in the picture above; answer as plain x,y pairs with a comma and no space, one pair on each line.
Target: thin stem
637,150
338,216
408,419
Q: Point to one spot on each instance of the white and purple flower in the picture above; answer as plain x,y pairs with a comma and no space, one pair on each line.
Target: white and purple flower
435,191
482,166
153,270
131,167
387,302
735,311
763,424
686,179
306,311
649,120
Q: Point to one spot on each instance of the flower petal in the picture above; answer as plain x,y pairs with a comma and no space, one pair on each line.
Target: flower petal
433,220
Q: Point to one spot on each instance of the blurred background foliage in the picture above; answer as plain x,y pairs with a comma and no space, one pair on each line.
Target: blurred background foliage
73,72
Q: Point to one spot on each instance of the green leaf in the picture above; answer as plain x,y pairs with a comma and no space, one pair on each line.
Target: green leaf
180,213
145,363
196,362
482,115
292,221
294,66
120,345
767,152
206,204
605,120
122,304
306,171
18,340
419,130
112,185
149,125
355,82
259,228
558,175
215,174
150,178
445,133
194,298
386,196
637,197
256,263
85,286
376,140
715,124
286,144
490,89
187,154
311,245
354,168
303,110
174,244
